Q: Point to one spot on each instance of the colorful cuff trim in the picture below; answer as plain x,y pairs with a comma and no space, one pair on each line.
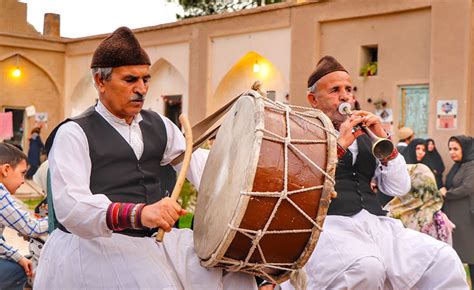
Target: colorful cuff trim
121,216
392,156
340,151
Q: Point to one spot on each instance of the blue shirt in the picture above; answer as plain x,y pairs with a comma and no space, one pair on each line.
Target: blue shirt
12,216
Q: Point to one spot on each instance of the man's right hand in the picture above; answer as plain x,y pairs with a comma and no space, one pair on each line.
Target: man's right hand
346,138
27,266
162,214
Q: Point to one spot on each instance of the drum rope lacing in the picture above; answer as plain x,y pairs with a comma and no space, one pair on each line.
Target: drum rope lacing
256,236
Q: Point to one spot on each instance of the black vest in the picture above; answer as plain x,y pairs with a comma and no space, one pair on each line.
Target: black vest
353,182
115,171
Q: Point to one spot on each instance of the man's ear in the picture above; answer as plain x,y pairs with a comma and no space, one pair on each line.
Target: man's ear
99,83
312,100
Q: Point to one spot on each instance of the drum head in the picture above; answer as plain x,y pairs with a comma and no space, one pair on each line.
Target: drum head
230,170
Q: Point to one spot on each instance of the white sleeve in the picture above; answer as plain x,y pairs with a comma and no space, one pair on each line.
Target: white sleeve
175,145
196,166
76,208
393,179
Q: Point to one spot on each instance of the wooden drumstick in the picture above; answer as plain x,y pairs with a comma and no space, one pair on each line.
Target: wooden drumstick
182,173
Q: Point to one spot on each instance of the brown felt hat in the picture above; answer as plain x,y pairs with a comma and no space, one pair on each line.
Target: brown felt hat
327,64
119,49
404,133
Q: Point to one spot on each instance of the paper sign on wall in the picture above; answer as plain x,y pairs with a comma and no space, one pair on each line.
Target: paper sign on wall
447,115
386,118
30,111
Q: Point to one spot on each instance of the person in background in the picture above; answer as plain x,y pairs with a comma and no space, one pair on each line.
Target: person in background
435,162
360,247
415,152
34,152
14,267
420,208
459,197
405,136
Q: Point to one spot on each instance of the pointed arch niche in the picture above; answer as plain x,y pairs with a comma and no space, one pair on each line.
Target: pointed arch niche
165,80
35,86
251,67
83,96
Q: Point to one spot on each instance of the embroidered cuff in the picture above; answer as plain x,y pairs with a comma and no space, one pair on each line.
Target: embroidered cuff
121,216
392,156
340,151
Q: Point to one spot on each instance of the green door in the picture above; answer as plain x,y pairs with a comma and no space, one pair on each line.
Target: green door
414,109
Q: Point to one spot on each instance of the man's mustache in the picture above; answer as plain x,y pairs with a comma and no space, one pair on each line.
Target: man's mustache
137,97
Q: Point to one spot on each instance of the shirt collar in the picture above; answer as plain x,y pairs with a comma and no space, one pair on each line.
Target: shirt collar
112,118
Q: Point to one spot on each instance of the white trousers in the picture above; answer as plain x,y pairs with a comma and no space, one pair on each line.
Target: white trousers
123,262
374,252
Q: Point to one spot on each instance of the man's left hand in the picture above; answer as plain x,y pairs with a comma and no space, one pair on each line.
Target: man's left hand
372,122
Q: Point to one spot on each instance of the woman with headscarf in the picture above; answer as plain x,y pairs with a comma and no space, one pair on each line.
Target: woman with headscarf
459,197
415,151
434,161
420,208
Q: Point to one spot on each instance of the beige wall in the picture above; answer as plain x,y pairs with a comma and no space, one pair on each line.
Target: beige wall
451,65
12,16
207,59
403,41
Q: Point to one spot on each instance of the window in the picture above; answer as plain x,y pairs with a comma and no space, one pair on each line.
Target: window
369,60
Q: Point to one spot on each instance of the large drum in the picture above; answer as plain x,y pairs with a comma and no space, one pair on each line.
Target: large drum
266,188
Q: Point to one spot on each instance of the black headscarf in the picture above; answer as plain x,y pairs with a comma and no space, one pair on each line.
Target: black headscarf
434,161
466,143
410,151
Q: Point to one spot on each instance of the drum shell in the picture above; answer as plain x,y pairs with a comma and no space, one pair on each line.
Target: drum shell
291,248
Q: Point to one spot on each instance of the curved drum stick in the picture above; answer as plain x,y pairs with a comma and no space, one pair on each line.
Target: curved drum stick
182,173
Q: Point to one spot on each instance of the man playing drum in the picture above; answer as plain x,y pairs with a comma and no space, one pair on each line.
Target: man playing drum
104,166
361,248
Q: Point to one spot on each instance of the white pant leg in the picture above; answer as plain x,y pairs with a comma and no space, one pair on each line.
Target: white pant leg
180,251
445,272
345,258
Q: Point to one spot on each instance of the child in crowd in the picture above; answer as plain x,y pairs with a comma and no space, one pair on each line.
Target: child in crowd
14,268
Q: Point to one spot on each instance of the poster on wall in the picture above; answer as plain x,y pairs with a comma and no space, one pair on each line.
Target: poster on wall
386,118
41,119
447,115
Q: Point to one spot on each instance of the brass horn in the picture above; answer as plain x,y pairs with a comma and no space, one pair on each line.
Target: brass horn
381,147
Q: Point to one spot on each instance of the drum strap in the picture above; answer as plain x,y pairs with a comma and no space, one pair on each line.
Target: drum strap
207,128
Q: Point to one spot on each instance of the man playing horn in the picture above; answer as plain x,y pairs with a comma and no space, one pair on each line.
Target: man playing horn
361,248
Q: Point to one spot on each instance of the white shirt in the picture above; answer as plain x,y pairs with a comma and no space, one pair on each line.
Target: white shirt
82,212
392,179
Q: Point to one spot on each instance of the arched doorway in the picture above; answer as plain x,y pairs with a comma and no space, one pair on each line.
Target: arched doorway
31,87
251,67
168,90
83,96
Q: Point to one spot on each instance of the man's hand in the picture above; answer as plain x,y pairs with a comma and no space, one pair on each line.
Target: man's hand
372,122
27,266
162,214
346,138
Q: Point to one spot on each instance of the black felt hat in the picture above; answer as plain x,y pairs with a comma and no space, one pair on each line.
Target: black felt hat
327,64
119,49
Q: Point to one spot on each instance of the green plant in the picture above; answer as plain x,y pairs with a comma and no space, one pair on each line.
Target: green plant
369,69
188,196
